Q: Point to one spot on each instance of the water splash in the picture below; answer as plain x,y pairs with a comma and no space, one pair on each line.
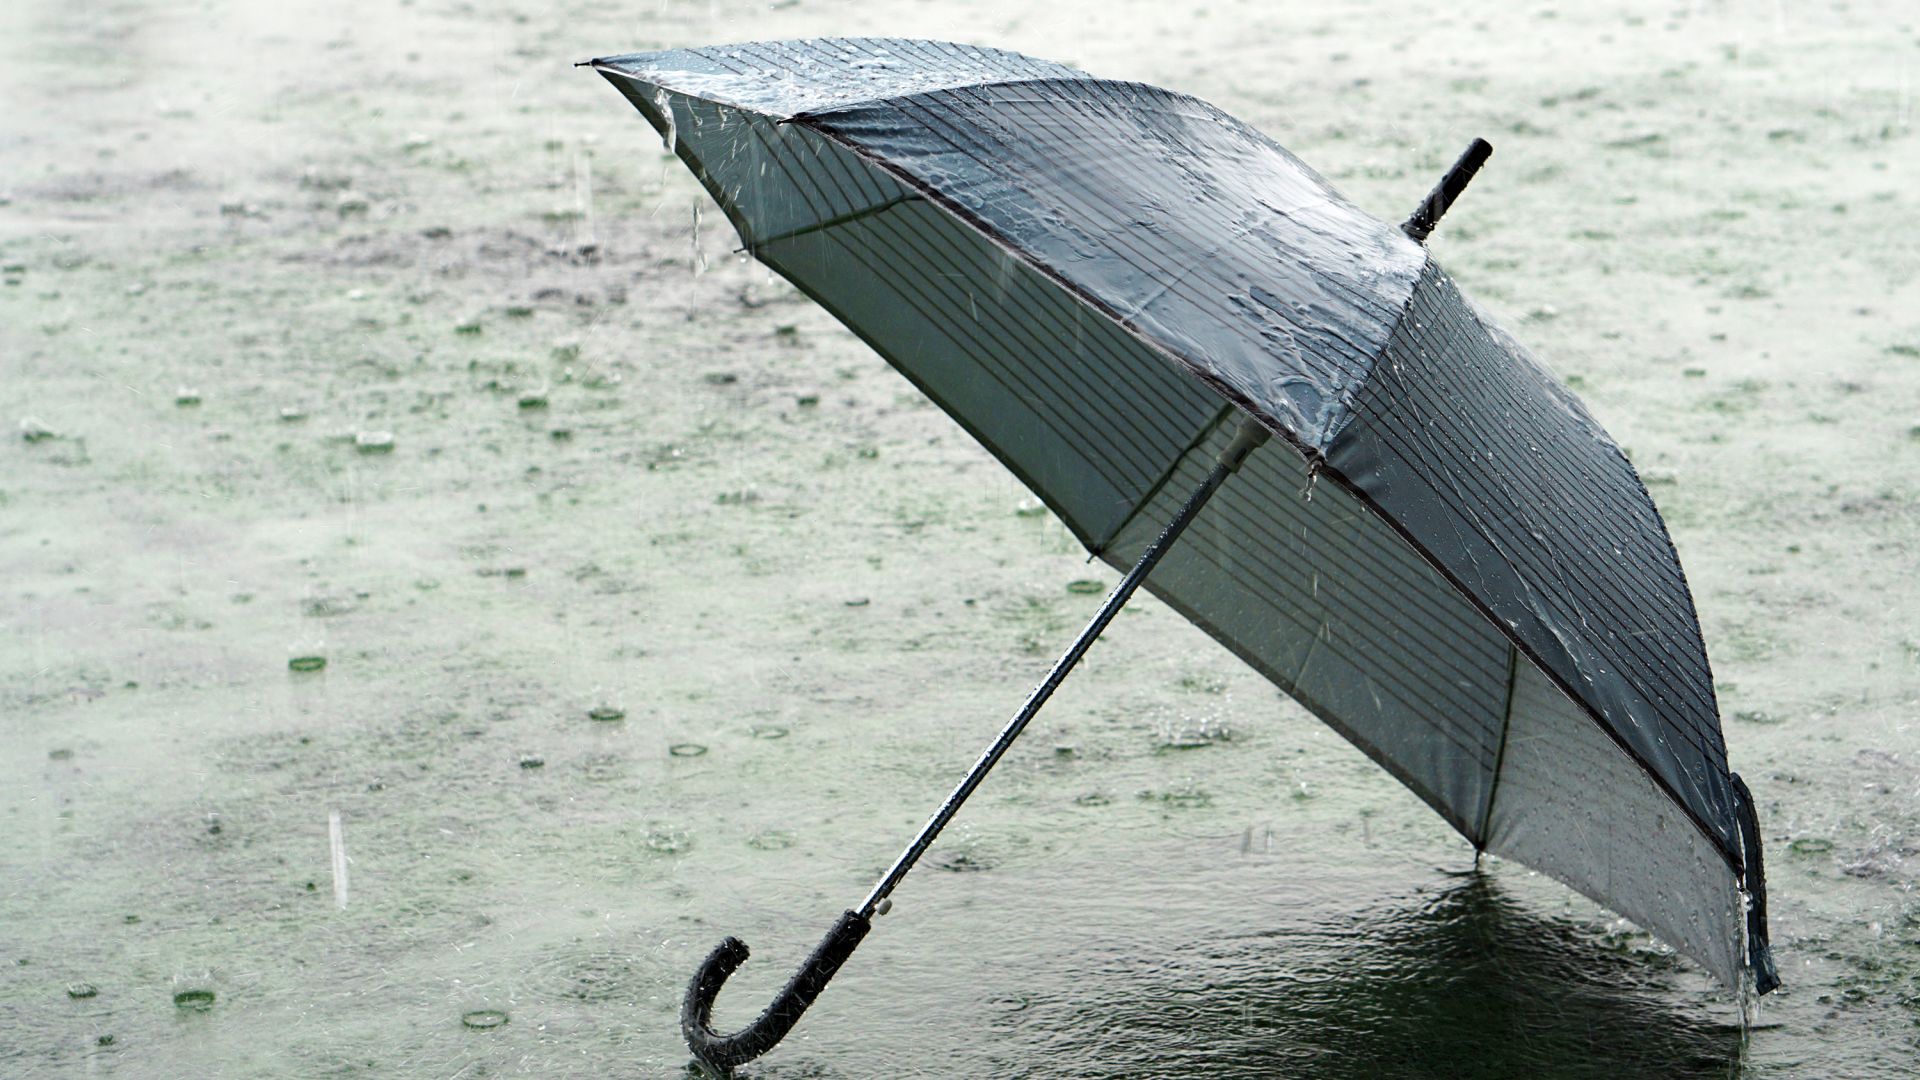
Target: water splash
337,841
699,255
669,135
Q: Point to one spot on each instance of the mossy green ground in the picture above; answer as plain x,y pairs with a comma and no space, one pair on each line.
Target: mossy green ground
377,333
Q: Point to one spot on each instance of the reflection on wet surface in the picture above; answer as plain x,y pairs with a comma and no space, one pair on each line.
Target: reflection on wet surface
1466,983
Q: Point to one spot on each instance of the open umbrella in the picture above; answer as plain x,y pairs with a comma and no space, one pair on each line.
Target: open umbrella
1122,292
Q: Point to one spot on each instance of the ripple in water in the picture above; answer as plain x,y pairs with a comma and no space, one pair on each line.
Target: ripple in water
591,977
770,840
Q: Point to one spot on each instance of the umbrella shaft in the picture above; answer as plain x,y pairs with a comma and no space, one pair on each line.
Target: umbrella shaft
1250,436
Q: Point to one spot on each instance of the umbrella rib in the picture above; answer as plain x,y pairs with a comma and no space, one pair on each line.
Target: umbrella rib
1405,697
1259,522
1367,633
1041,336
1199,438
1500,757
854,215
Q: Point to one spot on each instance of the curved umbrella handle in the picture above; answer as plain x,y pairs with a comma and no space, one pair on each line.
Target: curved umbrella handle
725,1051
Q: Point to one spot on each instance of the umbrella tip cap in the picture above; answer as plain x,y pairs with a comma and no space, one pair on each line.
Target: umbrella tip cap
1428,213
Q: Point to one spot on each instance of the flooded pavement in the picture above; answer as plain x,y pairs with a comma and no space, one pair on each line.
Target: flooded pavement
446,590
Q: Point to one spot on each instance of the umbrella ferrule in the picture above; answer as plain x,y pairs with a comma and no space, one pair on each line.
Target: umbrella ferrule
1428,213
1245,441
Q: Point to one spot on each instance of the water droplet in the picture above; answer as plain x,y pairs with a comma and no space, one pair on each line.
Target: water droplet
1084,587
82,990
686,749
194,1000
606,714
307,663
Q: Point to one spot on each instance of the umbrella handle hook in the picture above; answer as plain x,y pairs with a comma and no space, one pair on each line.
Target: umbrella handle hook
723,1052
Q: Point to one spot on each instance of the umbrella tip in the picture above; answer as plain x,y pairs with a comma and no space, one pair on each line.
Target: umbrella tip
1429,212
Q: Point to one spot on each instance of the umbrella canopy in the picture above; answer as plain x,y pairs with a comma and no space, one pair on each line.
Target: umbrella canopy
1439,553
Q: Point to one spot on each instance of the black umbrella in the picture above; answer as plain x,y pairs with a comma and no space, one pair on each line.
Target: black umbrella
1122,292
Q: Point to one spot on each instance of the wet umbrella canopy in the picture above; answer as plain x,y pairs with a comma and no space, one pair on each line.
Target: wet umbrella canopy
1120,291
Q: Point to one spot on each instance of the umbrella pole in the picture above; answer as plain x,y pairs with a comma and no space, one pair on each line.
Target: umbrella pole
726,1051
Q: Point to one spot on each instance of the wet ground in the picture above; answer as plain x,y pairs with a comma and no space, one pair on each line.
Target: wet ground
444,590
